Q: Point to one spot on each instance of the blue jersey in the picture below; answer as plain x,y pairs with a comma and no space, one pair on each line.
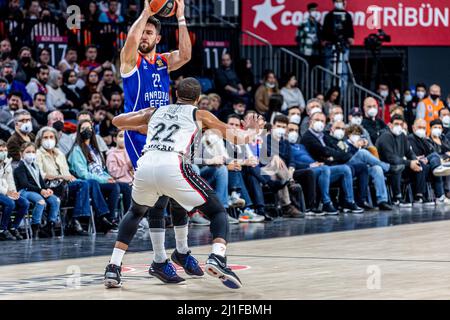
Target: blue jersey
147,85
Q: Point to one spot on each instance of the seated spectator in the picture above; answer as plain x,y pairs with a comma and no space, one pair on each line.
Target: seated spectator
39,83
32,186
444,116
23,133
227,81
10,199
109,85
55,172
335,114
245,74
430,160
111,15
332,98
55,120
440,142
70,63
70,88
238,108
265,91
7,114
120,167
394,148
56,98
6,55
429,107
279,153
13,85
90,62
86,162
215,103
39,109
312,106
95,101
314,142
45,58
92,86
276,103
203,103
26,68
115,106
240,157
355,117
292,95
374,125
295,115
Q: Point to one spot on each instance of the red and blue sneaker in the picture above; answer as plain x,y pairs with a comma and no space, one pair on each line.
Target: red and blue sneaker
165,272
188,263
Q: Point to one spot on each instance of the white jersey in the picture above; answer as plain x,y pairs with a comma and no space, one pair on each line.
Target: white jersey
173,128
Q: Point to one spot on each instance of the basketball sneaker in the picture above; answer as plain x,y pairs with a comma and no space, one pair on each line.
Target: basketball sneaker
188,263
216,266
165,272
113,276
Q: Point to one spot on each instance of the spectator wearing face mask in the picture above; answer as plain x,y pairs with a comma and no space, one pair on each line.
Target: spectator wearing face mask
355,117
265,91
292,95
430,160
444,116
13,85
29,181
374,125
394,148
308,35
384,91
10,199
23,133
336,114
238,107
428,108
440,142
294,115
314,142
409,107
312,106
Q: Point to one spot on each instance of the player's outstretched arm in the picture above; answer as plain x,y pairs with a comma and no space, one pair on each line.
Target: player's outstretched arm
179,58
135,121
252,125
129,54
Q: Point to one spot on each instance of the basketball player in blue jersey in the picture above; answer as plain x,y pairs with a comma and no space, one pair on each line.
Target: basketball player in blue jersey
146,84
166,169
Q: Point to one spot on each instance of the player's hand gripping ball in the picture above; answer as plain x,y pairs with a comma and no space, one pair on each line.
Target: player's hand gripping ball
163,8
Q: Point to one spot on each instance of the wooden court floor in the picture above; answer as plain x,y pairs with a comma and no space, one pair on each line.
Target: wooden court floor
401,262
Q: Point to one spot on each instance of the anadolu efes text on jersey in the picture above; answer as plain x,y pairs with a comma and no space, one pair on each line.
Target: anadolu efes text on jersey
147,85
173,128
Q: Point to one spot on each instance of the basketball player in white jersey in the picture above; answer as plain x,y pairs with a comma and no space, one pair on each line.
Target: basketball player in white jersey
165,170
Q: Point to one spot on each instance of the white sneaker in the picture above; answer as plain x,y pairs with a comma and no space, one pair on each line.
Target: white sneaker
198,220
443,200
232,220
236,200
441,171
143,224
249,215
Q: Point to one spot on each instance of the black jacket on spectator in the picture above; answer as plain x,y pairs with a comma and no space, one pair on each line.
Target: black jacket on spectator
24,179
108,90
395,150
283,149
73,95
443,148
323,153
421,147
224,77
340,156
332,21
375,128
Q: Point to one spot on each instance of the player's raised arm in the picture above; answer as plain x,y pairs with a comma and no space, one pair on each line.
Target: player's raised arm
129,53
179,58
252,124
134,121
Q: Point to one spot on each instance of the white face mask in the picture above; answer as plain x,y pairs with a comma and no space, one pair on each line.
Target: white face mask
436,132
270,85
421,133
408,98
420,94
318,126
384,93
339,5
356,120
338,117
339,134
446,121
315,15
293,137
355,138
3,155
48,144
27,127
397,130
29,157
372,112
295,119
279,132
315,110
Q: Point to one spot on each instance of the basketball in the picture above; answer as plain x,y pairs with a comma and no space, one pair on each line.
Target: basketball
163,8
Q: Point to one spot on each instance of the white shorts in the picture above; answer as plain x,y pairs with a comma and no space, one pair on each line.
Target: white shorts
162,173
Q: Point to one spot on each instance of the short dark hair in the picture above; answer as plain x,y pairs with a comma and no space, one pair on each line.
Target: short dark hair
397,117
189,89
312,5
436,122
84,112
26,145
90,46
71,49
421,85
42,67
440,111
15,94
38,94
281,118
154,21
235,116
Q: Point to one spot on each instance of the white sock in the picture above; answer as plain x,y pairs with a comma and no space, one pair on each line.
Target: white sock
181,238
219,249
117,256
159,251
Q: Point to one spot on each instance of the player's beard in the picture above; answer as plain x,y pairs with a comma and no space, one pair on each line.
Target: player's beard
147,49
